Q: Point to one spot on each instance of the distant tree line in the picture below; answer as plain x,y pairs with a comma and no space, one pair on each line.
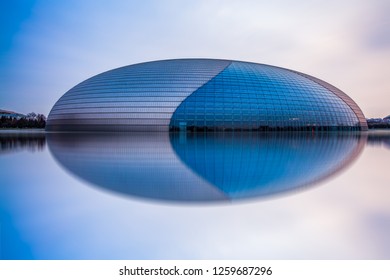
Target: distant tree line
31,120
378,123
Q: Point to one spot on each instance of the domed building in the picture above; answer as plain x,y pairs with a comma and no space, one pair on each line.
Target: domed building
204,95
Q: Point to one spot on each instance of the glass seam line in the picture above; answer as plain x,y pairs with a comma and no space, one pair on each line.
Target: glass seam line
209,80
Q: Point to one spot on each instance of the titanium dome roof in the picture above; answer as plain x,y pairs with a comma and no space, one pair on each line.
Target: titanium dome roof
204,94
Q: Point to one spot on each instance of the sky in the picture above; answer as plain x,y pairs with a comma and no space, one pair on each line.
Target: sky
47,47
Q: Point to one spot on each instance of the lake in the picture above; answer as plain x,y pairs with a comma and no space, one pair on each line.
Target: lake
237,195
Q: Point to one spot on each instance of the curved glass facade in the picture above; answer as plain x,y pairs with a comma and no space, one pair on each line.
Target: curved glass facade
204,94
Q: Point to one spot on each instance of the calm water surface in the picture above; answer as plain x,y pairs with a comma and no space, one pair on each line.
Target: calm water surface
195,196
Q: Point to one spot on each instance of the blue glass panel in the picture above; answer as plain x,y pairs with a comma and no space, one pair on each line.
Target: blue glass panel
255,96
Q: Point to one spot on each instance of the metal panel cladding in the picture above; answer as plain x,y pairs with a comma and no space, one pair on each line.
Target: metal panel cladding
138,97
204,94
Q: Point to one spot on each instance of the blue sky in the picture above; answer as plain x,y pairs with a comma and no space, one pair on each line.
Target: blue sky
47,47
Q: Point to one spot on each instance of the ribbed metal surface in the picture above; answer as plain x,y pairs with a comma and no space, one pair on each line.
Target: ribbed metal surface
139,97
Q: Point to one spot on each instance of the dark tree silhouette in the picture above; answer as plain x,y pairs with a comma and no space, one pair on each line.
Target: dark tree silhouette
32,120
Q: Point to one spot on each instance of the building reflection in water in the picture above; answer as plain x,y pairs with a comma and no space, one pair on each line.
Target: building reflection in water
205,167
243,165
14,141
379,138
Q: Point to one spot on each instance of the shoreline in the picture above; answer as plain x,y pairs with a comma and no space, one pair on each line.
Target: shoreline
22,130
42,130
